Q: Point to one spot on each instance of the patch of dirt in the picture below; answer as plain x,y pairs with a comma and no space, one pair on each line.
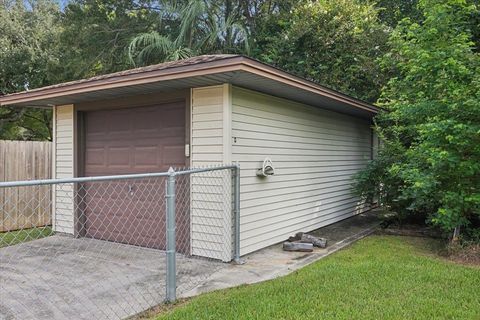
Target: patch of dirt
159,309
464,254
346,228
467,254
410,230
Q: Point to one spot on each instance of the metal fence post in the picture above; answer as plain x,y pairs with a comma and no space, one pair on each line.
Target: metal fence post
236,211
171,285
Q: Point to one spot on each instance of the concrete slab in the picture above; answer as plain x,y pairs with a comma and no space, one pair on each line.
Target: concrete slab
64,278
273,262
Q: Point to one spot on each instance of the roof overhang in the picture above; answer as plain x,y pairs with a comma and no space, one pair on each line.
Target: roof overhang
236,70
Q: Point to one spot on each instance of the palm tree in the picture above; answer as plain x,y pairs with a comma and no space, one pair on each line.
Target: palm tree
198,26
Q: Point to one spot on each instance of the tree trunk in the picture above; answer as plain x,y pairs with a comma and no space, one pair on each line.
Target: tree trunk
456,234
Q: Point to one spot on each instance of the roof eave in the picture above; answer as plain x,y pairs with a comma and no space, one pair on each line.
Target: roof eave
229,64
120,81
280,75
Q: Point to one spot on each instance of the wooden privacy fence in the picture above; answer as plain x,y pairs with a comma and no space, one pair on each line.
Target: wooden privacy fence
25,207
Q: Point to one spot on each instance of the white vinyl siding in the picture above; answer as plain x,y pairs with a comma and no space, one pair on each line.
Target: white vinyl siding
315,153
63,168
210,192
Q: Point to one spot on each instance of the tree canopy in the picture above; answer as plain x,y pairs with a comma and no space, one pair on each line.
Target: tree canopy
333,42
29,55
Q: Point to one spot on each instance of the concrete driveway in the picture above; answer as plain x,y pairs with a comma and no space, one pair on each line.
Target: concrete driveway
64,278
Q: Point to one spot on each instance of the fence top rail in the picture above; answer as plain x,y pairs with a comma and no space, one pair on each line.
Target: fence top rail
171,172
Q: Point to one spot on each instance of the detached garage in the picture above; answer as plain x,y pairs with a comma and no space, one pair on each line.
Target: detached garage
205,111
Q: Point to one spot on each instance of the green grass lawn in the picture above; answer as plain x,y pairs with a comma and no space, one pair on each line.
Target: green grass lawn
380,277
15,237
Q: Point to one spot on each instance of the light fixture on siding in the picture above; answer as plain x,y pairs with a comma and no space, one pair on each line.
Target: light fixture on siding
267,168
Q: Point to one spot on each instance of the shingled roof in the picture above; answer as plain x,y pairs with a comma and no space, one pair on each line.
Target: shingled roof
155,67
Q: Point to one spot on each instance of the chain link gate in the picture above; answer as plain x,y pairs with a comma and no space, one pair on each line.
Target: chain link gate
118,245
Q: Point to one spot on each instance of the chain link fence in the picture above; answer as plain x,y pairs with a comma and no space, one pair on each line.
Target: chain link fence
118,245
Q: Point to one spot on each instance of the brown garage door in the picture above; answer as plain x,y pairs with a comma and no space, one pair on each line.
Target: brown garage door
133,140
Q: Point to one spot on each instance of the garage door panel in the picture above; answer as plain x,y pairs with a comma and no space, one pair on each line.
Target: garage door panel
146,122
171,132
133,140
95,156
146,156
118,156
171,154
96,126
170,119
118,121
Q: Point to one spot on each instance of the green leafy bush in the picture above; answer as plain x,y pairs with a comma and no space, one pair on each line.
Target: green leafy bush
429,165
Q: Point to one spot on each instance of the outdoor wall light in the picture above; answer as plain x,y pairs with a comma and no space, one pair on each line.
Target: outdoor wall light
267,168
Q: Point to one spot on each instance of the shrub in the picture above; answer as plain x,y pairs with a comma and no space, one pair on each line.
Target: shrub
429,165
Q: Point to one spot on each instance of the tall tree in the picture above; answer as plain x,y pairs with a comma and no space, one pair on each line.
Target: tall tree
194,27
28,35
97,32
332,42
